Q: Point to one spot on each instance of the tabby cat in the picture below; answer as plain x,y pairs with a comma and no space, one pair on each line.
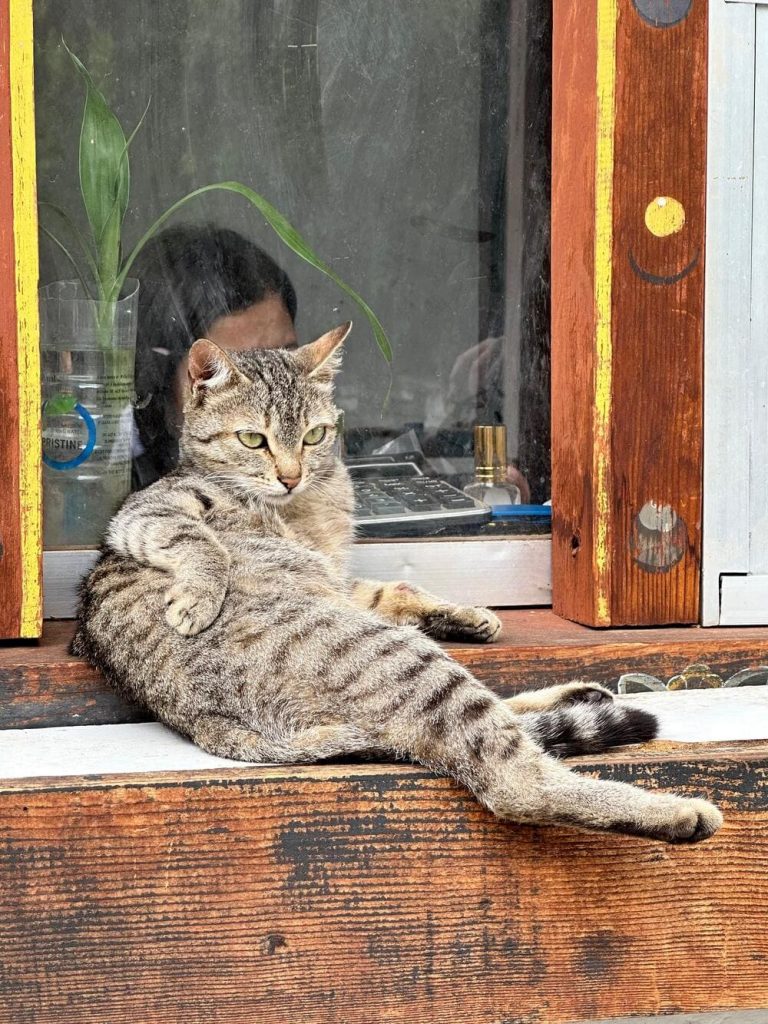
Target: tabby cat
221,602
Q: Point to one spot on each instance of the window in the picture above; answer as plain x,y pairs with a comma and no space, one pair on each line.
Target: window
408,143
357,106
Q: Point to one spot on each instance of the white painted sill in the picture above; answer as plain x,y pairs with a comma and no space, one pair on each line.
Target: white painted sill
145,748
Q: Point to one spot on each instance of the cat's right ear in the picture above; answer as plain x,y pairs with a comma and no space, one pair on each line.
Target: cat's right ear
209,367
321,359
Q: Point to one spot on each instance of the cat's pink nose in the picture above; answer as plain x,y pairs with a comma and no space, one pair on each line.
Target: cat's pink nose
289,481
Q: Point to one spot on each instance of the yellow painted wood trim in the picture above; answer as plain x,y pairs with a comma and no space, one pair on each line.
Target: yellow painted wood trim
607,15
28,327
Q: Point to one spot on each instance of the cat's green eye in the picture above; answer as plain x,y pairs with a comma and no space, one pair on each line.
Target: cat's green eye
251,439
315,435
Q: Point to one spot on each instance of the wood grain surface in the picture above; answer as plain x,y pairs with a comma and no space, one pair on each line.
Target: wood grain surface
661,119
366,894
627,373
43,685
574,112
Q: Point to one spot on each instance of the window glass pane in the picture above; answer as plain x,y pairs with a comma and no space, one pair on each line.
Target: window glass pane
408,142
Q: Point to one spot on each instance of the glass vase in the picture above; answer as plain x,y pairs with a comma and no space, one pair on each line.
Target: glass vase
88,354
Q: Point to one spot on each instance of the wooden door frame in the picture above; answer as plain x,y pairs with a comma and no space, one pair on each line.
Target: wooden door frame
629,129
20,452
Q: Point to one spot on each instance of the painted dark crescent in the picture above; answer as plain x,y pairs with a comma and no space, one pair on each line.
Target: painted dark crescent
663,13
649,278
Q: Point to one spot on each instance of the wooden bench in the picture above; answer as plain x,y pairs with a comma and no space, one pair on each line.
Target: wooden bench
143,881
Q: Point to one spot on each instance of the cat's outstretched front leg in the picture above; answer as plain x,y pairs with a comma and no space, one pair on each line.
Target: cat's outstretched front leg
408,605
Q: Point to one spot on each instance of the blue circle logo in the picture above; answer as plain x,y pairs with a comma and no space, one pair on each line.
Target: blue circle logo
90,442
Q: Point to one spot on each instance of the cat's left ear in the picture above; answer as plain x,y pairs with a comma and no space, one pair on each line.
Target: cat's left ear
209,367
321,359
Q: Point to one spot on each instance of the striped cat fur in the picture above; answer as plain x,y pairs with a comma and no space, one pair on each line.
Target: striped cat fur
222,603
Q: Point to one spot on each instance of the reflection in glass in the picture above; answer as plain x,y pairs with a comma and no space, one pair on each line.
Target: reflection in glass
408,141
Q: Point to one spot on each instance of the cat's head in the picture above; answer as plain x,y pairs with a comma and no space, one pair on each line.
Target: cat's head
262,421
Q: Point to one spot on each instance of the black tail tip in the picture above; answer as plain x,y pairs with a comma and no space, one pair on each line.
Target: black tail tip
642,726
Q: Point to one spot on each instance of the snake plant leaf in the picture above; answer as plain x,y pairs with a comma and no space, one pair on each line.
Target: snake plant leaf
104,173
285,231
76,266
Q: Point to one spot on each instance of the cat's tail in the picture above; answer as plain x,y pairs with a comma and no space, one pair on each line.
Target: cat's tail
587,728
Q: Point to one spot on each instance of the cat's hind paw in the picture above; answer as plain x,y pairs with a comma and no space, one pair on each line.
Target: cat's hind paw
682,820
189,610
561,695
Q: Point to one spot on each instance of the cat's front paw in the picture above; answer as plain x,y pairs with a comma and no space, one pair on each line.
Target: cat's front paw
190,610
454,622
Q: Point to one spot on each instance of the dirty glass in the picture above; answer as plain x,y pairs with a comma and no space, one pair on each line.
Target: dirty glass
406,140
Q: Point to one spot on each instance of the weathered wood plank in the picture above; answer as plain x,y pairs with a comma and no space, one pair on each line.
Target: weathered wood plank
42,685
628,328
360,895
574,114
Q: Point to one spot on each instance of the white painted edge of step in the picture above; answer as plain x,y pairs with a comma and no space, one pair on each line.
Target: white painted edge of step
148,747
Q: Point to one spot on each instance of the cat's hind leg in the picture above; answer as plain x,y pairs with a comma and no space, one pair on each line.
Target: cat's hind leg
408,605
463,729
225,737
516,781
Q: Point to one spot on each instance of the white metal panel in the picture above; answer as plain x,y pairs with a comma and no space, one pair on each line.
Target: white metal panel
501,573
744,601
62,572
758,349
728,292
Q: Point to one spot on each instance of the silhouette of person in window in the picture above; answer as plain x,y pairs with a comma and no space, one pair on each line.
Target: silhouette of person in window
197,281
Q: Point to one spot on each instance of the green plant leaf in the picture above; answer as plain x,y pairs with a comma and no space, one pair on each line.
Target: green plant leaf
110,239
104,174
283,230
60,405
70,257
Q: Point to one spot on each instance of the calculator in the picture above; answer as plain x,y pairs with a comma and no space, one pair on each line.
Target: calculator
394,498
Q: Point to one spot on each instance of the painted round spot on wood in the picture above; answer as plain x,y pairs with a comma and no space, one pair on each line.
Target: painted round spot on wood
664,216
663,13
659,537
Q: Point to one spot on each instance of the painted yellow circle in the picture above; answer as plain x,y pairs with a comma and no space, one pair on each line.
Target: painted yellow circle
664,216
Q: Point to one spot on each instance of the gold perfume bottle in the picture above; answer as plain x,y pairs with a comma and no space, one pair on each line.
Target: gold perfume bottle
490,484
